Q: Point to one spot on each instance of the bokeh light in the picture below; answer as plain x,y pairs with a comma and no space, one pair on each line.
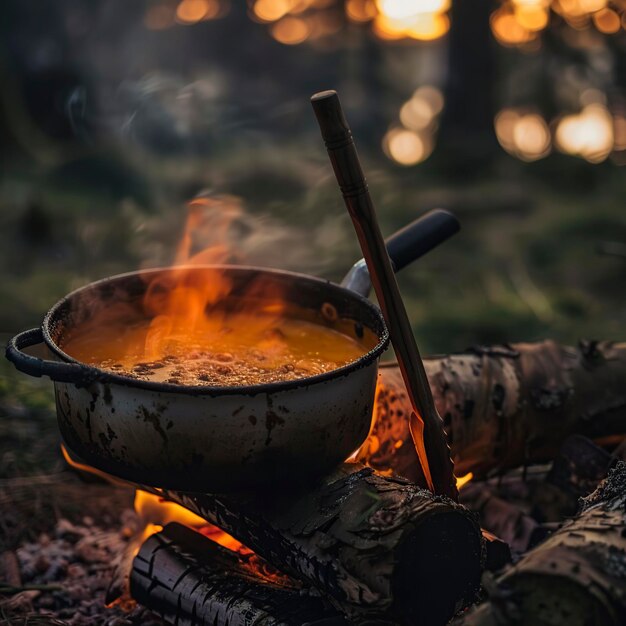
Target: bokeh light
508,30
192,11
419,111
291,30
579,8
588,134
423,20
405,147
607,21
361,10
524,135
271,10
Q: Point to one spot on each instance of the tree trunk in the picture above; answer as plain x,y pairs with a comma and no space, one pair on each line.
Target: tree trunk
575,578
190,580
378,547
505,406
467,140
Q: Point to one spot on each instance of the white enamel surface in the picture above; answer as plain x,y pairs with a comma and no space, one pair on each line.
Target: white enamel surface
229,439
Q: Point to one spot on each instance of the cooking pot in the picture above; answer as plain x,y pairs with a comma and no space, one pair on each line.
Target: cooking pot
217,439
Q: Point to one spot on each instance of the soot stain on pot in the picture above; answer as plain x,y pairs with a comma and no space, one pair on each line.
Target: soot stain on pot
88,424
272,419
94,398
152,418
107,439
107,396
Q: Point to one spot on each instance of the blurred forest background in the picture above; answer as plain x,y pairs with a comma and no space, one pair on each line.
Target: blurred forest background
511,113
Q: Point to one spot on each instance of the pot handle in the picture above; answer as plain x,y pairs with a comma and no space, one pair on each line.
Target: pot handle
407,245
34,366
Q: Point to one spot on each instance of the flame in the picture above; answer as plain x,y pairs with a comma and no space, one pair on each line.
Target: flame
463,480
153,513
156,512
90,469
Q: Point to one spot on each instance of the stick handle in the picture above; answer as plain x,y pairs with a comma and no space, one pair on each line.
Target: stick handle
429,435
340,144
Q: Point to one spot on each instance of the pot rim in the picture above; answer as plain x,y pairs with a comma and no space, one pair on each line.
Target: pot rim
105,376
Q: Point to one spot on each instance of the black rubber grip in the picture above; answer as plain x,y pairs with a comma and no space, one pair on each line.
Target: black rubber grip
420,237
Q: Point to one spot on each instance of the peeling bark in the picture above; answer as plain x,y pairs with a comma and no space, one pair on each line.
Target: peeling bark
379,548
577,577
505,406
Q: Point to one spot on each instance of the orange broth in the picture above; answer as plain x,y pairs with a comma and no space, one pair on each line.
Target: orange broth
239,349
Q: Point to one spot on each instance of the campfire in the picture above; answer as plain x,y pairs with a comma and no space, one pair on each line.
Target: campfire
281,477
302,555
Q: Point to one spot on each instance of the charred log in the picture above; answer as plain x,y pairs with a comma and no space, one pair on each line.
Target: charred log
523,508
576,577
497,552
505,406
504,519
380,548
190,580
577,470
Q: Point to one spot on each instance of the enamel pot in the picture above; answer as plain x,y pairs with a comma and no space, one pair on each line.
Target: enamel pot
217,439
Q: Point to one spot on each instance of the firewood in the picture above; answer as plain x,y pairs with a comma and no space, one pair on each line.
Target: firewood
505,406
379,548
577,470
577,577
504,519
189,580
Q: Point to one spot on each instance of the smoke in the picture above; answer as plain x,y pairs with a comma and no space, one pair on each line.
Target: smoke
221,228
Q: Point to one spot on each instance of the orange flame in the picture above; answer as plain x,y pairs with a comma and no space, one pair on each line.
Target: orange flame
461,481
157,512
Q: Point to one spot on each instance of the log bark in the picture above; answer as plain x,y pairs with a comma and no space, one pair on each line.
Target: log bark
505,406
190,580
380,548
576,577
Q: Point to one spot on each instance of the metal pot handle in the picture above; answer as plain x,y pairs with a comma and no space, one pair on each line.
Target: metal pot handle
407,245
34,366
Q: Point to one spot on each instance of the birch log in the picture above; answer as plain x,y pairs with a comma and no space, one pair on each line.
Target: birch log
189,580
577,577
379,548
505,406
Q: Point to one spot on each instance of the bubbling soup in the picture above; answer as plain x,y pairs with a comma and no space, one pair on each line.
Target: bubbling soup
240,349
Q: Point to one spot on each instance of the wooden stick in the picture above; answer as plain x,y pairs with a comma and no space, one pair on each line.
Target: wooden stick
425,424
